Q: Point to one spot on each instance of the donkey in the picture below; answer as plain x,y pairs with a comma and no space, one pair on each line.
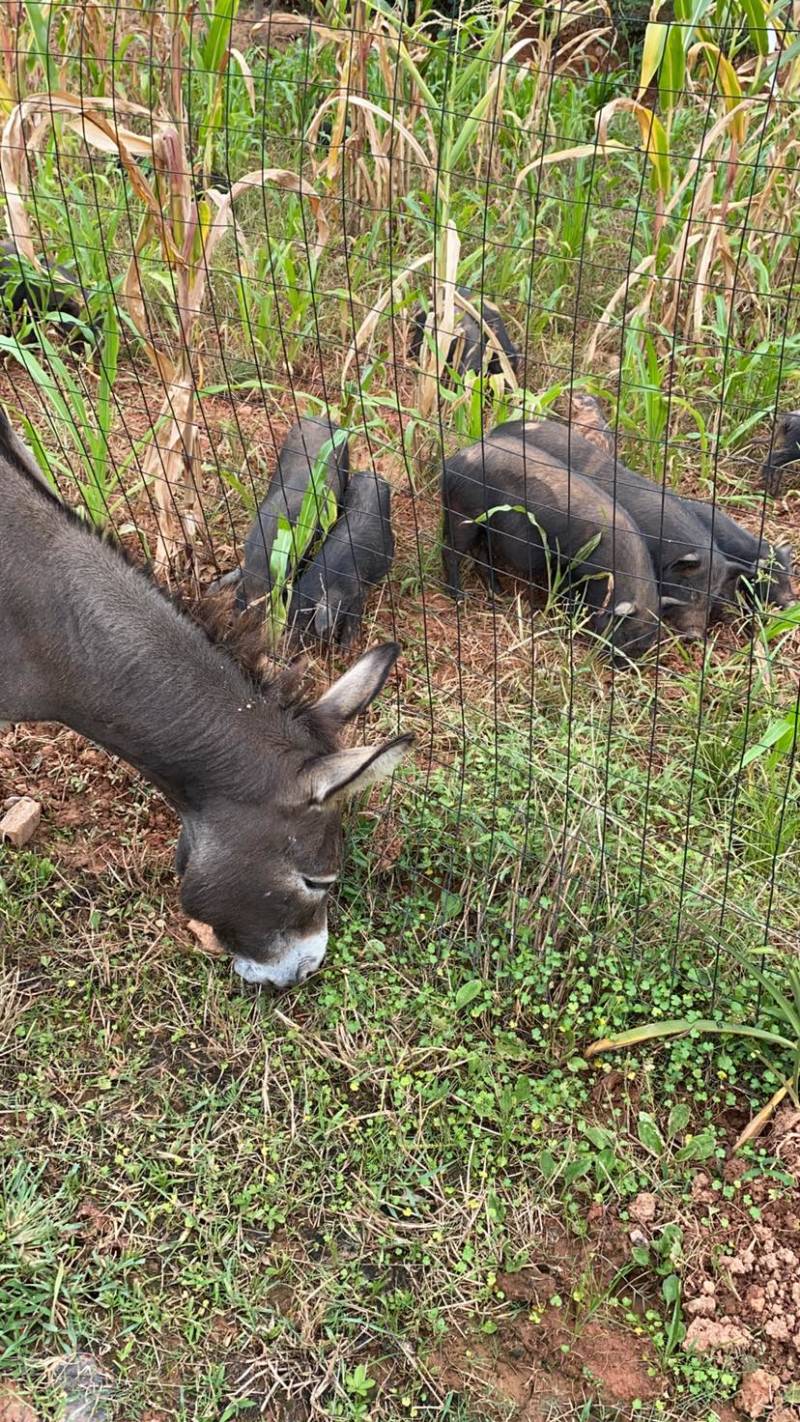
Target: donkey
257,776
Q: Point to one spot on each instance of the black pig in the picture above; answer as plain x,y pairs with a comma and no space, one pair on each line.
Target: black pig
570,511
356,555
287,489
767,568
692,573
471,337
784,449
42,293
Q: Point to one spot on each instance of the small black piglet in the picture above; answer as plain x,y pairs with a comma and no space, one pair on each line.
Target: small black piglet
288,486
471,338
52,292
328,601
784,450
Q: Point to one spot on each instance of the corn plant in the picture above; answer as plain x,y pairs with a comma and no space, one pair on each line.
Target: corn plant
184,228
84,422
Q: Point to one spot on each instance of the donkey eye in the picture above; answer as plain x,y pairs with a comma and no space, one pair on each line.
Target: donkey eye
318,886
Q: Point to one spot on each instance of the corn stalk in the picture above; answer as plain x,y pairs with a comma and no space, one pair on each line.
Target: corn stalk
188,231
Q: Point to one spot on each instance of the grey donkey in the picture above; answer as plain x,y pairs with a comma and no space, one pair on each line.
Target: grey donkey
257,776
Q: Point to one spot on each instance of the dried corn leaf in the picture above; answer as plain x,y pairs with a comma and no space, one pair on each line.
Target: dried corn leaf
375,109
366,330
261,178
169,462
443,317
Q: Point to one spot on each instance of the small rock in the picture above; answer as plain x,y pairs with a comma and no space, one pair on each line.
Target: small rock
13,1408
778,1329
755,1298
738,1263
756,1392
783,1414
643,1209
20,823
705,1335
638,1236
704,1307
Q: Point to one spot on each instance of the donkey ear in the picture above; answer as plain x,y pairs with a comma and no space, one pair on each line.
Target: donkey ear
354,691
347,772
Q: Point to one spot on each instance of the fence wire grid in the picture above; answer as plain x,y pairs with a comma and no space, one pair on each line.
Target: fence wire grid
420,224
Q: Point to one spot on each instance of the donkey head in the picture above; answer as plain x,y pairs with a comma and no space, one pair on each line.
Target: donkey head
258,866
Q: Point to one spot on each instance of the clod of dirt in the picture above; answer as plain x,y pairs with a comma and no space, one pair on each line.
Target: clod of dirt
206,937
21,821
756,1392
705,1335
86,1388
13,1407
644,1209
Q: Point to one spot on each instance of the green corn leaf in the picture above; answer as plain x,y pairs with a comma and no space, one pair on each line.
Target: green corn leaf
756,15
655,38
218,36
673,69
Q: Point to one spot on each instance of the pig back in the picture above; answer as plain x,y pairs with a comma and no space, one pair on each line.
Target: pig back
569,510
668,524
287,489
356,555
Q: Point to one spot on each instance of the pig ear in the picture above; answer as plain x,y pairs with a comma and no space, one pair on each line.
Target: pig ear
354,691
345,773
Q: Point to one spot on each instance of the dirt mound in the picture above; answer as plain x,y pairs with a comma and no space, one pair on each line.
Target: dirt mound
745,1268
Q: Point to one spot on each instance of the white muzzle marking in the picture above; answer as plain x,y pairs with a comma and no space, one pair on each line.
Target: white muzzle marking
302,958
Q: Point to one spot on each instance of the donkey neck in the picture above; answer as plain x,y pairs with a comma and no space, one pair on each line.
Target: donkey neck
96,646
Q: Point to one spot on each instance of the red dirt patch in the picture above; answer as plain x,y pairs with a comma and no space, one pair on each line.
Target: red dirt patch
533,1364
746,1256
544,1353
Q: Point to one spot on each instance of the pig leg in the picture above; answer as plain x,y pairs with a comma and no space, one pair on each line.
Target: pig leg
350,623
459,536
484,565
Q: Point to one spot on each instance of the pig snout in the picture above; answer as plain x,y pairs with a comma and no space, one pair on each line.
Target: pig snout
686,616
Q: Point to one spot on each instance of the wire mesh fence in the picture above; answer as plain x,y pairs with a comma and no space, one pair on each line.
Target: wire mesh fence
298,305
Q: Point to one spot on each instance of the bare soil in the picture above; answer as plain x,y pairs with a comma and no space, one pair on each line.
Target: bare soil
745,1256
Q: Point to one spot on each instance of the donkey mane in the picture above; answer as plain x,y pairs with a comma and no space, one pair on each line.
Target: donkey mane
240,637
